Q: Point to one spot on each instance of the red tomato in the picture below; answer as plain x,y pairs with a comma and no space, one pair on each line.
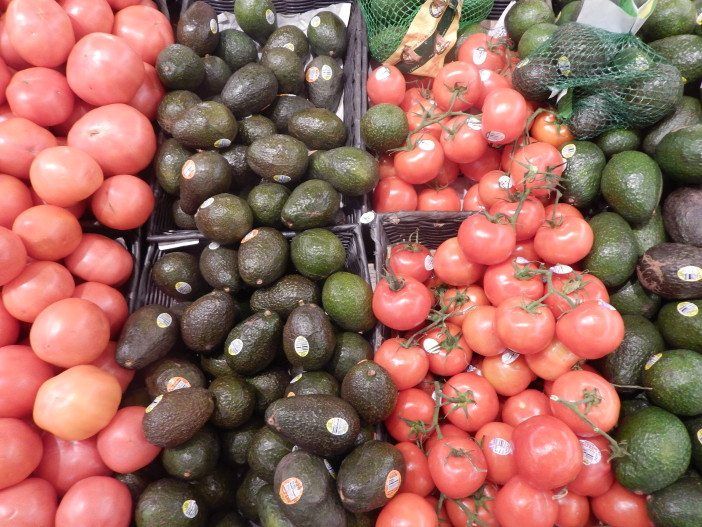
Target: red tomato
504,116
511,279
458,301
573,510
108,299
386,166
121,4
80,108
470,401
413,406
495,439
150,93
553,361
491,81
122,444
417,477
422,162
48,232
123,202
508,150
38,286
472,201
31,503
386,85
531,216
65,463
547,452
457,466
411,259
538,167
579,287
462,141
97,500
14,199
413,96
88,16
457,86
479,331
420,112
447,430
407,510
486,242
567,242
20,451
483,51
452,267
394,195
403,305
524,330
479,504
526,250
591,330
5,78
77,403
107,363
524,405
558,210
518,504
445,200
9,327
117,136
494,187
40,31
21,375
619,507
7,50
508,373
441,514
99,259
146,30
406,365
13,255
548,129
477,169
41,95
103,69
596,476
602,406
20,141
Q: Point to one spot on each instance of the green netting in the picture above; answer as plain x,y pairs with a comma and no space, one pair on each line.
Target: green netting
387,21
616,79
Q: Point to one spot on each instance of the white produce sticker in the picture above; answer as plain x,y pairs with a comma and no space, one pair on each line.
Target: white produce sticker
508,357
183,288
429,262
236,346
302,346
500,446
164,320
190,508
479,56
687,309
337,426
431,346
591,453
382,73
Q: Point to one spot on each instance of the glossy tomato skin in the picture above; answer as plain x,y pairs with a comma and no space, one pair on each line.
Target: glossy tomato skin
485,242
504,116
13,255
63,176
495,440
518,504
412,405
531,216
548,129
494,187
386,85
538,167
573,510
41,95
452,267
146,30
524,405
417,477
567,241
107,298
99,499
80,108
406,365
107,363
508,373
510,279
579,287
457,466
20,450
422,162
411,259
448,351
481,504
386,166
559,210
9,327
422,111
407,510
448,173
478,401
48,232
122,444
447,430
526,250
123,202
619,507
14,199
100,259
490,160
480,333
394,195
472,201
404,308
413,96
31,503
39,285
88,16
458,301
150,92
553,361
547,452
592,330
491,81
20,141
21,375
462,141
443,200
596,476
522,330
458,78
483,51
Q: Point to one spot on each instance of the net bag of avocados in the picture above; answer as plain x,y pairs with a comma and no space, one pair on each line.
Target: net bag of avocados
387,21
614,79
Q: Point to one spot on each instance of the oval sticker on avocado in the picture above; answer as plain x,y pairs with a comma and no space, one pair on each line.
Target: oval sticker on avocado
291,491
392,483
270,16
190,508
312,74
177,383
250,236
236,346
337,426
690,273
188,170
687,309
650,362
327,72
184,288
222,143
302,346
154,404
164,320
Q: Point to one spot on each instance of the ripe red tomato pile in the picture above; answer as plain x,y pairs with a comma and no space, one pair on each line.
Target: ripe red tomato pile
78,90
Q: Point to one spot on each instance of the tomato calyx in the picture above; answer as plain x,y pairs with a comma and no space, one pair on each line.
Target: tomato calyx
472,518
460,452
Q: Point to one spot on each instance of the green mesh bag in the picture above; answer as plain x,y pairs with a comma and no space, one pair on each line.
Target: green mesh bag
615,80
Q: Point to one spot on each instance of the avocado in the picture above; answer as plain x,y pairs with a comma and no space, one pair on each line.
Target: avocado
250,89
350,349
679,155
174,417
678,505
215,365
684,52
285,295
228,519
263,257
370,475
203,175
236,48
148,335
673,379
209,124
181,219
672,270
252,344
687,112
177,275
347,298
533,37
280,158
218,488
170,503
317,253
267,201
592,116
583,173
255,127
287,67
198,29
618,140
267,448
370,390
318,128
195,458
206,322
219,267
284,107
632,184
614,251
168,163
291,37
169,374
694,427
632,299
256,18
242,175
234,401
172,106
269,386
180,68
312,383
247,493
631,406
524,15
350,170
224,218
306,491
135,482
659,450
680,323
649,233
313,203
270,510
235,443
531,77
641,341
217,72
308,337
135,396
669,17
327,35
325,82
568,14
384,127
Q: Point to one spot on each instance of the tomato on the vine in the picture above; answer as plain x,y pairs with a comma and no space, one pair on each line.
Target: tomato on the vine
547,127
512,279
480,333
457,466
440,512
457,86
462,141
447,349
553,361
386,85
406,364
445,199
494,186
394,195
401,303
407,509
415,95
530,218
490,160
537,166
526,250
479,506
591,330
422,162
524,405
559,210
410,259
524,328
507,372
495,439
448,173
459,300
509,149
579,287
504,116
419,113
412,416
519,504
619,507
472,201
596,476
386,166
491,81
447,430
452,266
484,241
417,479
565,241
573,510
483,51
470,401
